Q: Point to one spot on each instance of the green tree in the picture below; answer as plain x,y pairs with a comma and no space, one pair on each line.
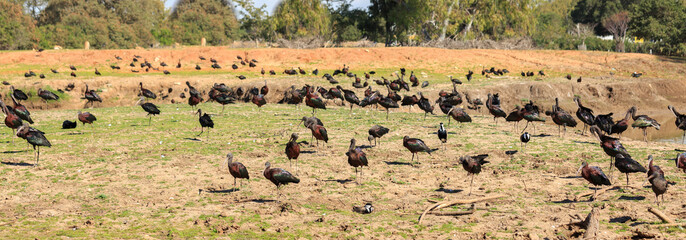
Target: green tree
594,11
348,24
256,25
663,21
302,18
214,20
17,30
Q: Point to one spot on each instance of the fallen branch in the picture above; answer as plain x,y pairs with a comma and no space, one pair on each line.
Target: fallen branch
660,215
668,225
453,213
589,193
445,204
592,225
603,190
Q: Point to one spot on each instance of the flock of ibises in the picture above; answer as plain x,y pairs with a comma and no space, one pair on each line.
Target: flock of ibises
17,117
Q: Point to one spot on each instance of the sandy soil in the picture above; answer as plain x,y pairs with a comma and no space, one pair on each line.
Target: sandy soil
122,188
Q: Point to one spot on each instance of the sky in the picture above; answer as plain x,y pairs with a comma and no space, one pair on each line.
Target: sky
271,4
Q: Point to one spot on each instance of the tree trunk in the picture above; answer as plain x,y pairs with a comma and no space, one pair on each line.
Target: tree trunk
447,20
469,25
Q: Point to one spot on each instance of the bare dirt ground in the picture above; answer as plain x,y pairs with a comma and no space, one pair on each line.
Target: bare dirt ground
124,179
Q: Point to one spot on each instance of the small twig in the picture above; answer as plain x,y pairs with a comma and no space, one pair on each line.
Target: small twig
660,215
445,204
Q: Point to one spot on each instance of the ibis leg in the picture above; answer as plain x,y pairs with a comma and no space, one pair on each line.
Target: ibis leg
149,119
37,156
594,193
627,179
386,113
201,130
526,126
234,184
470,185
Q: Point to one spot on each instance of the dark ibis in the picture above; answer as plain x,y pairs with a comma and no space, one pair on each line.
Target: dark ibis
680,121
73,74
18,94
469,75
681,161
197,67
657,180
604,122
21,111
272,72
68,124
524,139
301,71
54,71
315,72
584,114
356,157
416,146
475,104
178,65
611,146
643,122
11,120
636,74
293,150
595,176
472,164
515,116
42,75
265,89
442,135
147,93
163,64
376,131
531,113
425,105
86,117
72,67
425,84
34,137
336,93
569,77
166,72
151,109
413,79
625,164
97,72
561,117
459,114
313,100
241,77
192,89
279,176
47,95
409,101
493,105
205,122
91,96
319,133
202,58
237,170
622,125
310,122
259,100
262,72
350,97
388,103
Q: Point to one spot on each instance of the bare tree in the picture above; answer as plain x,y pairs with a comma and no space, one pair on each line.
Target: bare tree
617,24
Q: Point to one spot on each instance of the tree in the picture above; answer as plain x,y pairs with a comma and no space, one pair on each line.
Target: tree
617,24
348,24
256,25
594,11
17,30
214,20
302,18
663,21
